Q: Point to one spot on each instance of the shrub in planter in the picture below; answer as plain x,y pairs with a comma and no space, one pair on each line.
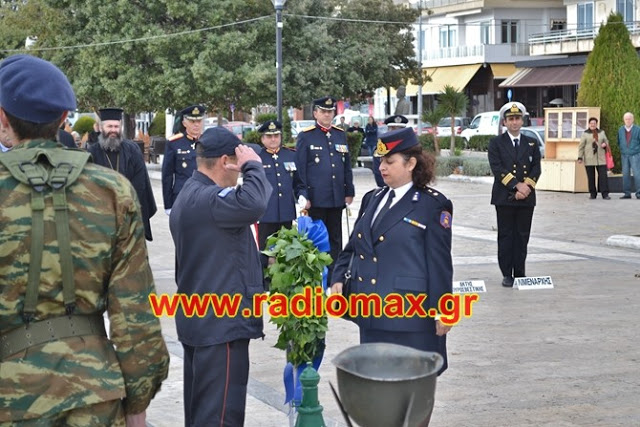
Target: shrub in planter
158,125
83,125
354,141
252,137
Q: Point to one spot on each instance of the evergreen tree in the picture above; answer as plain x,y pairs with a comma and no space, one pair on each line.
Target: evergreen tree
611,79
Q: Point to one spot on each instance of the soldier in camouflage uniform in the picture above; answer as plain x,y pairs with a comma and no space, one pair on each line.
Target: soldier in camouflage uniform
61,268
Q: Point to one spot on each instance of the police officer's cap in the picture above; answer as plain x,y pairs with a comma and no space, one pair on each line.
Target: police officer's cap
34,90
397,121
326,103
110,114
513,111
218,141
194,112
271,127
395,141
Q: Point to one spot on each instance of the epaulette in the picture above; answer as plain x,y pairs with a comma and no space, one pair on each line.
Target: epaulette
307,129
441,198
336,127
292,149
176,136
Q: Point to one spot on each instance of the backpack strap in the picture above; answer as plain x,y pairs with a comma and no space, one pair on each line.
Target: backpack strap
46,170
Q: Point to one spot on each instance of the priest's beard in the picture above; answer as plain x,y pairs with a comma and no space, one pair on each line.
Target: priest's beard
111,143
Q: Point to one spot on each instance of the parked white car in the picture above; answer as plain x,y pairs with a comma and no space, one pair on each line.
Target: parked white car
444,126
298,125
482,124
537,133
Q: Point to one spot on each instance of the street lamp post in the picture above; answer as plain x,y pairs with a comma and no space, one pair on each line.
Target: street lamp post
420,69
279,5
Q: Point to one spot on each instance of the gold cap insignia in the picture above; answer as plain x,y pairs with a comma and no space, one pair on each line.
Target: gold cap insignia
195,111
381,149
328,102
272,126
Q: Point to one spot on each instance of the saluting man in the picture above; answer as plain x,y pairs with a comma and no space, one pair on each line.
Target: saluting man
279,165
324,165
515,162
180,155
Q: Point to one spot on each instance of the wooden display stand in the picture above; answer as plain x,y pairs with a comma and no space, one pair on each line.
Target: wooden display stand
563,129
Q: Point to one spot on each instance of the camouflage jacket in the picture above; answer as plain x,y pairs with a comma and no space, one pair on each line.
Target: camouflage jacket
111,273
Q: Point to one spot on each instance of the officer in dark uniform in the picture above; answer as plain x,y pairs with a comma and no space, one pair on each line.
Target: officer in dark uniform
515,162
216,253
279,165
324,165
401,244
180,154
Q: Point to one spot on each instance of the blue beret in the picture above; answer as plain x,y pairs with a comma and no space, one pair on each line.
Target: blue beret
270,127
194,112
397,120
218,141
326,103
395,141
34,90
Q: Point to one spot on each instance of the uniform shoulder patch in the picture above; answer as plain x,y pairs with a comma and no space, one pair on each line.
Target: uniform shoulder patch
336,127
445,219
176,136
307,129
223,193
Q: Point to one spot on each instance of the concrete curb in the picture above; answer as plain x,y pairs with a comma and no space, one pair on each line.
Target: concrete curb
624,241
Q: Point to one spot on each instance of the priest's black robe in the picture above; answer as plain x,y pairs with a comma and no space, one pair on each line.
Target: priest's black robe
130,163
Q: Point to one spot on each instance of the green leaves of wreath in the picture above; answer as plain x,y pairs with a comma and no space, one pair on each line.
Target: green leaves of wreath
298,264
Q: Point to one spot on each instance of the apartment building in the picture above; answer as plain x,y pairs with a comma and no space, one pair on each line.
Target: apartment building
534,51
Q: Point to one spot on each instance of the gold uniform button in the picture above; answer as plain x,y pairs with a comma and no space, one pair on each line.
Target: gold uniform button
514,171
524,166
381,238
361,256
279,194
279,184
359,279
276,164
333,166
373,281
359,235
375,259
333,176
332,154
278,173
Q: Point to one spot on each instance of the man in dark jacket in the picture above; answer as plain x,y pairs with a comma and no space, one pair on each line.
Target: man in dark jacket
515,162
216,254
124,156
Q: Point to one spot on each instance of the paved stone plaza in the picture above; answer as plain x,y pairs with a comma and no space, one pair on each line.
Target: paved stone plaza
568,356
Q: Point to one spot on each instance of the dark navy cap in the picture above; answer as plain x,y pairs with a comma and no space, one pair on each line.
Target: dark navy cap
110,114
271,127
397,121
326,103
194,112
395,141
34,90
218,141
513,111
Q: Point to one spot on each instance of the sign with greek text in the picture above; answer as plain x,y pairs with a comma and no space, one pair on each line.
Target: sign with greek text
525,283
469,287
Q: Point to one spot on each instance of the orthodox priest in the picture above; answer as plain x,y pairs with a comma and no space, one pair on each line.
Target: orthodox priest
114,152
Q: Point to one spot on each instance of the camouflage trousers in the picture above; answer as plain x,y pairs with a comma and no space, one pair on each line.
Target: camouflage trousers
105,414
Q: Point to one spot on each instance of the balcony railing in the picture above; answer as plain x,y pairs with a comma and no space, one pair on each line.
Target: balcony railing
584,33
481,51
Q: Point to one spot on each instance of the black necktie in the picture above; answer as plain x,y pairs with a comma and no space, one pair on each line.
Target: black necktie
515,142
384,209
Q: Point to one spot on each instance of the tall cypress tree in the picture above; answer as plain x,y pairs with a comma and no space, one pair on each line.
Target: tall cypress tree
611,79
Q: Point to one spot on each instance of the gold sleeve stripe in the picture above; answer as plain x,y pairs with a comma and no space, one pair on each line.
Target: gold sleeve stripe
530,182
507,178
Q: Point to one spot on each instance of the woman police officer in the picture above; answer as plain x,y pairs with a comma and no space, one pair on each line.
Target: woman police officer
401,244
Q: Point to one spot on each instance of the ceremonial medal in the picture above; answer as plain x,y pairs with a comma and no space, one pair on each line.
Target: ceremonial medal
317,160
328,135
184,164
275,156
193,146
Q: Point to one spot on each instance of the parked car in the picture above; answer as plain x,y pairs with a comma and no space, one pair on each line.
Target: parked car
298,125
426,128
537,133
239,129
460,124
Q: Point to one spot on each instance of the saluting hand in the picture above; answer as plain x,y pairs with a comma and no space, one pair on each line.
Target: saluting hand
244,154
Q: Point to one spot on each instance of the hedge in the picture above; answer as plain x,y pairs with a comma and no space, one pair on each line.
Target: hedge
480,142
354,141
158,125
426,141
471,166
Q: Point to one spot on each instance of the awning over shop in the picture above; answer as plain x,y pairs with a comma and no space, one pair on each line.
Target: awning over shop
545,76
457,76
502,71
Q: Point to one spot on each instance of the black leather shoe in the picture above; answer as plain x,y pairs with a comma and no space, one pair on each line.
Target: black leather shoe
626,196
507,282
592,197
606,197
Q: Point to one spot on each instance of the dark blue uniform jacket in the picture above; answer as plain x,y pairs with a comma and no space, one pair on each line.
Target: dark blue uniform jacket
217,253
510,167
324,166
400,257
282,173
177,166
